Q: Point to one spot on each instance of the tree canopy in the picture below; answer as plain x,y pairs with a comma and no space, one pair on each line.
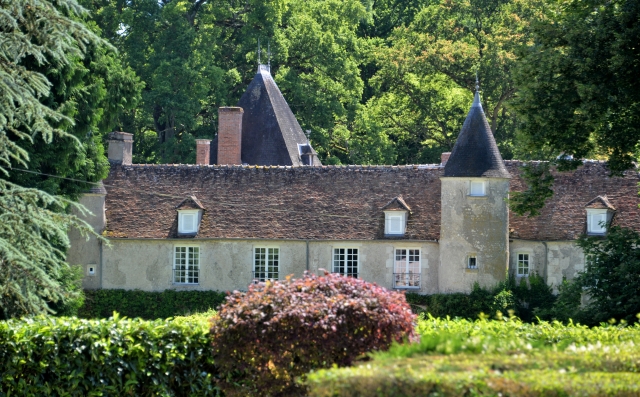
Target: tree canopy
38,37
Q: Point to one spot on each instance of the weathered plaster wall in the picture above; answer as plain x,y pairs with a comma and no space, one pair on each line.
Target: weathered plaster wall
553,260
473,226
85,252
228,264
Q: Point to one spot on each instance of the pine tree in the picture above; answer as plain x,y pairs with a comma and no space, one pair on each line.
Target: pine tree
33,224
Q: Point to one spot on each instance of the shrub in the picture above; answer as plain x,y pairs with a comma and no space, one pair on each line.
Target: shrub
73,357
148,305
277,331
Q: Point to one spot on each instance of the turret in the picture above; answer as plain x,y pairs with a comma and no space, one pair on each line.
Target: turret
474,227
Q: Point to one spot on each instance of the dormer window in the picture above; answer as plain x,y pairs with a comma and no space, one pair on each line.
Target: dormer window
189,216
477,188
396,213
188,221
599,215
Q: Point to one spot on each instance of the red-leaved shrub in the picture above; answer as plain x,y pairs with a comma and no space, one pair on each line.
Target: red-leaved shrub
263,339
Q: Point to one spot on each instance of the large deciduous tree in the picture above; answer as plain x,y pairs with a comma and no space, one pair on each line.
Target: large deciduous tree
579,91
33,224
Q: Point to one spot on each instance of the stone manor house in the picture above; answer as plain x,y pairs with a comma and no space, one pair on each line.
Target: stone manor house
259,205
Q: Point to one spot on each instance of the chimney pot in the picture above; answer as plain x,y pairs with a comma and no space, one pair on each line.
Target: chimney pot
202,151
444,157
230,135
120,148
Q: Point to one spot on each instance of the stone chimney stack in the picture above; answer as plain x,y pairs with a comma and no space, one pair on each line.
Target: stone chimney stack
229,135
203,150
120,148
444,157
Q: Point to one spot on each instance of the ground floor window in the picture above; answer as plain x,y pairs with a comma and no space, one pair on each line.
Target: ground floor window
266,263
406,268
345,261
523,265
472,262
186,265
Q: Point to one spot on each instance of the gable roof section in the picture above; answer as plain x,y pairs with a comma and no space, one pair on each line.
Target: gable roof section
337,202
327,202
475,153
190,203
564,216
600,202
397,203
270,131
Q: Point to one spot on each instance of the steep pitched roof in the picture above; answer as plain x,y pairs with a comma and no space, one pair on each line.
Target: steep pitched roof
600,202
190,203
337,202
270,131
475,153
397,203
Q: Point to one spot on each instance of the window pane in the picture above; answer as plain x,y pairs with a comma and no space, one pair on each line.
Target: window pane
473,262
186,265
477,189
395,224
407,268
188,222
345,261
523,265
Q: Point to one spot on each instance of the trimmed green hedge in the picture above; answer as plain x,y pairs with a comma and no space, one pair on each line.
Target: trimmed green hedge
75,357
148,305
493,358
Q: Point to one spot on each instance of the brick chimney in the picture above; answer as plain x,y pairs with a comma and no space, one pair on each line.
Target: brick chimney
444,157
120,148
203,147
229,135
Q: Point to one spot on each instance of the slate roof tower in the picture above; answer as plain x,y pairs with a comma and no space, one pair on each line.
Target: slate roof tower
271,134
474,244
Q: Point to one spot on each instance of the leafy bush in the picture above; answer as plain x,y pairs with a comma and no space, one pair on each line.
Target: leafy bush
265,338
73,357
486,357
148,305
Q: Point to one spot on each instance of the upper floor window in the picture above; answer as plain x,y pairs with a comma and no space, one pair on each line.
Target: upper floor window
266,263
189,215
345,261
186,265
523,265
406,268
477,188
472,261
396,212
599,215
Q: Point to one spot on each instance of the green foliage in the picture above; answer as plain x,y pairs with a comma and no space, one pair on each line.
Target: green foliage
539,180
71,283
148,305
72,357
578,90
278,331
611,278
506,357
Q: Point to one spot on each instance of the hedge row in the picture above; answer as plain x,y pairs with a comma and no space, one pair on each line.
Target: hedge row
148,305
75,357
492,358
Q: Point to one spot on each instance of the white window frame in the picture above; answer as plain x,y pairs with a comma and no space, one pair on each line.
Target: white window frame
594,217
406,276
402,217
186,264
266,263
342,261
483,188
469,260
522,259
182,214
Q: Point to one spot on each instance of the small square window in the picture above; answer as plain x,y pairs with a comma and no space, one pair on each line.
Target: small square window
188,221
472,262
91,270
597,221
476,188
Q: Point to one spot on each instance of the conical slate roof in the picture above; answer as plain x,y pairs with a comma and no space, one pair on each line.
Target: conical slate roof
475,153
271,134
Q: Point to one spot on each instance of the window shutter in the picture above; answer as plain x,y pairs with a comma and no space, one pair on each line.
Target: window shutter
188,223
395,225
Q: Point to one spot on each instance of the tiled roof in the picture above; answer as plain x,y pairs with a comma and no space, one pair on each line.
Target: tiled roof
270,131
564,215
336,202
475,153
191,203
397,204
